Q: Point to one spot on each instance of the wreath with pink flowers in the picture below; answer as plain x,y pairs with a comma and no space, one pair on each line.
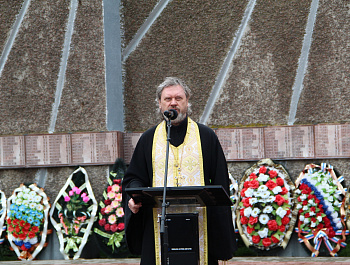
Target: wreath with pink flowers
74,213
265,217
110,225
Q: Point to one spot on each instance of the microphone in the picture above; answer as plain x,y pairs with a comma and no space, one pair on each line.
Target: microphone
170,114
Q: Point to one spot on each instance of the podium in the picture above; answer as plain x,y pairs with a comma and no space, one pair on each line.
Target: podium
182,216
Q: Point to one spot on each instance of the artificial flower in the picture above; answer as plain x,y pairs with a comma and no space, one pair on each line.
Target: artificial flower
255,212
266,242
115,204
256,239
120,212
263,233
111,194
268,209
247,211
112,219
264,218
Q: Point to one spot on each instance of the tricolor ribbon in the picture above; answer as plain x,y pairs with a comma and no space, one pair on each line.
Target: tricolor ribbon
321,235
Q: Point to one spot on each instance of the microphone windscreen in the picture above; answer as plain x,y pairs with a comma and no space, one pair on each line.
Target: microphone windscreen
174,115
170,114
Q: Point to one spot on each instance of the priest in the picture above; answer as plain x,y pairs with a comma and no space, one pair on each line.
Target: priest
195,159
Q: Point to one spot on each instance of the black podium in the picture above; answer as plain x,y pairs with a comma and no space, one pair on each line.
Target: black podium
182,225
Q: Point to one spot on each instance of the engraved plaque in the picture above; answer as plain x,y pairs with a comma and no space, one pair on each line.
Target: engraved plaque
94,148
48,150
332,140
130,141
289,142
345,139
12,151
242,143
106,147
60,150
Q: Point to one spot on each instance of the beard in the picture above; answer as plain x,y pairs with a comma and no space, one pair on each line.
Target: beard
180,117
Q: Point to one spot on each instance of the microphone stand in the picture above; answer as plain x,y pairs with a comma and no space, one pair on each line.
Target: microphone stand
163,226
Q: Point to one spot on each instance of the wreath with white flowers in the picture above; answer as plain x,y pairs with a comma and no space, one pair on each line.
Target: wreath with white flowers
2,214
265,217
73,214
320,203
27,221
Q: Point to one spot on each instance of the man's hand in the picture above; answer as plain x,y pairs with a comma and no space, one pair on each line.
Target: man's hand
134,207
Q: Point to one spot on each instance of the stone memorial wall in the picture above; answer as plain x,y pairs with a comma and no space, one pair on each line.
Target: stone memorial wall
327,141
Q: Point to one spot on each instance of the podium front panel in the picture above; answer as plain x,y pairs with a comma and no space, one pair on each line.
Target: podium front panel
183,239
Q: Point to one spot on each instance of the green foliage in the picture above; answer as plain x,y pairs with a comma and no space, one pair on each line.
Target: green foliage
5,253
242,250
345,252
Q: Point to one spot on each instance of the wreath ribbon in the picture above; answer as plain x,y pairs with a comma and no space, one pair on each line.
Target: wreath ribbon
320,235
26,255
72,243
114,239
343,233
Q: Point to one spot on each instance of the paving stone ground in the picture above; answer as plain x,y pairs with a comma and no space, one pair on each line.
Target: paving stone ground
234,261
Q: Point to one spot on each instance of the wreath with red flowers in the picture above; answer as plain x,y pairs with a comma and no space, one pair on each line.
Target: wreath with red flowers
265,217
109,228
320,204
27,221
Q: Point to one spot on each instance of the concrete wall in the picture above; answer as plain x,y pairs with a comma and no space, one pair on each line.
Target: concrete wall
191,39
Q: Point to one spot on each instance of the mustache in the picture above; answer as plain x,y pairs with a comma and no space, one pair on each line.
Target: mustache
176,108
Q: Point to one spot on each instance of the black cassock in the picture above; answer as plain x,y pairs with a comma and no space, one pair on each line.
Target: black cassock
139,227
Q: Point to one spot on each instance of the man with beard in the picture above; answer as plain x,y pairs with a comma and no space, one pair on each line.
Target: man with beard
195,159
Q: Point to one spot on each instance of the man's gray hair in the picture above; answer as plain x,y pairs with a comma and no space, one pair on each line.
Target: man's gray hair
174,81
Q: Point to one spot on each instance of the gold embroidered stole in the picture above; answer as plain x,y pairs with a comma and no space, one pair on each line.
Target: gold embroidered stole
185,168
